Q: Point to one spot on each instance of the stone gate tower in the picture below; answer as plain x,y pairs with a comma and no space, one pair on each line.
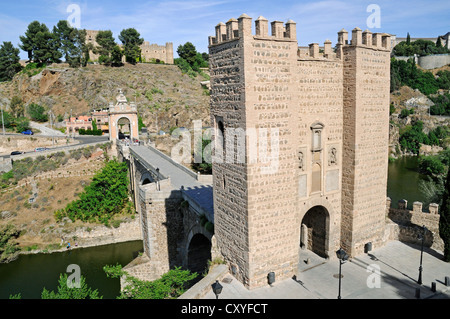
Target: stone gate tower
123,116
301,143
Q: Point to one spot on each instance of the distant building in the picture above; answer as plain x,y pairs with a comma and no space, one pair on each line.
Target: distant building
149,52
445,40
76,123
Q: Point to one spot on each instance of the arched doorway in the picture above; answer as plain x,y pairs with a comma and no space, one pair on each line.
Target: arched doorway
124,128
199,253
314,233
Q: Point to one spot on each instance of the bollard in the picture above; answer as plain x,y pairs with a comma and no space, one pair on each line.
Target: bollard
447,281
433,286
418,293
271,278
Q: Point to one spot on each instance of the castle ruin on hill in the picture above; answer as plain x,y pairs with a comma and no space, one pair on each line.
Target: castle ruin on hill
149,52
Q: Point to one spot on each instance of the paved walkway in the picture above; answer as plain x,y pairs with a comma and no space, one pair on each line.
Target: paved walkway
201,193
397,265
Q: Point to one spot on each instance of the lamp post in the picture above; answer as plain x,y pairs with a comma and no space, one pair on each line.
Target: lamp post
217,288
343,257
422,237
3,121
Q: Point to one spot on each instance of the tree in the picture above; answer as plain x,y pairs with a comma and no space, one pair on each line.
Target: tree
71,43
444,220
171,285
408,39
22,124
187,52
438,43
17,107
8,246
106,43
131,40
63,32
194,59
41,46
37,113
9,61
116,56
73,293
106,196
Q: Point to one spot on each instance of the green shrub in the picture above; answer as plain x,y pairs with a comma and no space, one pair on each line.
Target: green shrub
37,113
170,286
105,197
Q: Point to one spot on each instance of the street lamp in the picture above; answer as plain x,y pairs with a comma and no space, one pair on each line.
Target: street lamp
421,237
343,257
3,121
217,288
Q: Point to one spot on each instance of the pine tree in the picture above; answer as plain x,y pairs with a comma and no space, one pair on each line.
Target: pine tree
9,61
105,42
444,220
40,44
408,39
131,40
64,33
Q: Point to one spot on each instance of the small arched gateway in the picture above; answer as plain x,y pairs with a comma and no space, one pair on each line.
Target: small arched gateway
314,234
123,119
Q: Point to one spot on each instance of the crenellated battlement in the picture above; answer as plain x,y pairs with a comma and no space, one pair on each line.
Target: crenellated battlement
367,39
402,204
241,27
406,225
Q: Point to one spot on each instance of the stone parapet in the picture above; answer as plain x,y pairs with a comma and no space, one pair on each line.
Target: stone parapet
410,222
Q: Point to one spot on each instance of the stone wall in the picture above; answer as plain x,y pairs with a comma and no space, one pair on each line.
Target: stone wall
23,143
102,235
163,53
428,62
408,224
230,192
162,225
5,164
366,140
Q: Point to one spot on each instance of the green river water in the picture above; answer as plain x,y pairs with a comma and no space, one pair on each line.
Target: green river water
29,274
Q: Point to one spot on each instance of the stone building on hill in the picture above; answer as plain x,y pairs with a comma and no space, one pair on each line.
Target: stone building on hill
149,52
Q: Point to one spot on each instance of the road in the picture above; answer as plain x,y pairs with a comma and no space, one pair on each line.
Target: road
82,141
45,130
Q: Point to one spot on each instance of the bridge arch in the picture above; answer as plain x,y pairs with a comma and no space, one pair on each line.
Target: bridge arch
146,178
198,249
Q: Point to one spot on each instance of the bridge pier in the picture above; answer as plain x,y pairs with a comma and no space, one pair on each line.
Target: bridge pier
175,214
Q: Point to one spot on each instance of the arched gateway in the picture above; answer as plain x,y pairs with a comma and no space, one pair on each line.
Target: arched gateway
123,119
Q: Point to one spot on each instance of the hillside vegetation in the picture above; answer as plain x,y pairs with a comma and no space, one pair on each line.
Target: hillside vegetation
166,97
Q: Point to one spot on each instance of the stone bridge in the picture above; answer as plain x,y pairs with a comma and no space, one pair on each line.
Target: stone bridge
175,207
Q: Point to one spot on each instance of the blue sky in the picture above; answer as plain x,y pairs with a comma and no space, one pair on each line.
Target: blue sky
179,21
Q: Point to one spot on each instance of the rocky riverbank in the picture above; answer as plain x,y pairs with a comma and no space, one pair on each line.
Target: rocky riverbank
86,237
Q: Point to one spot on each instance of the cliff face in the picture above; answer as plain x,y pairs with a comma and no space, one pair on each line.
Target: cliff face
165,97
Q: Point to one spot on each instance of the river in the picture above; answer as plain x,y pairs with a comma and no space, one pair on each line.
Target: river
29,274
403,181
